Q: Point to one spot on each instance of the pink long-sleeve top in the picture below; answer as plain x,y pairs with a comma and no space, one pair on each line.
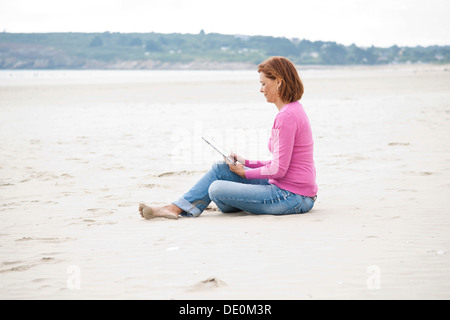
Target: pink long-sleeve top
291,144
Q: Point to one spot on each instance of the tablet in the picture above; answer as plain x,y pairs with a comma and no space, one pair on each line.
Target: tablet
218,149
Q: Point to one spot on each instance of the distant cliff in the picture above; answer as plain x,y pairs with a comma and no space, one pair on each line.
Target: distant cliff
190,51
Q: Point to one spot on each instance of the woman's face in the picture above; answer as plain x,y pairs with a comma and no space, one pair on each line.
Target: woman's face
269,88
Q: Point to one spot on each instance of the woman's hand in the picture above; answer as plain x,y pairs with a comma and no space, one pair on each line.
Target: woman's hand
237,168
237,158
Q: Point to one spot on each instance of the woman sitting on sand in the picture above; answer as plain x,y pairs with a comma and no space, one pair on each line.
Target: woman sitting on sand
286,184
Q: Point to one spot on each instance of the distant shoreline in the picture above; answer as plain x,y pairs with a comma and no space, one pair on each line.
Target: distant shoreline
153,51
223,66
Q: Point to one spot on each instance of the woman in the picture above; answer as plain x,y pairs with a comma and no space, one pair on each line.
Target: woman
284,185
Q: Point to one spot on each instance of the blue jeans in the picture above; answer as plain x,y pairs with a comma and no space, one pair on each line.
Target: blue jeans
231,193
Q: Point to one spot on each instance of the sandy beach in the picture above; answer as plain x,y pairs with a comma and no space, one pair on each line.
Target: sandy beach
81,149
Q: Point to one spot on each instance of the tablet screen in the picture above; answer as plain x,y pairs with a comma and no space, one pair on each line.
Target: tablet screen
218,149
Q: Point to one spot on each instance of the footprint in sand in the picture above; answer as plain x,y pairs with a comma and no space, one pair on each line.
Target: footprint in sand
18,266
208,284
398,144
22,267
52,240
100,211
178,173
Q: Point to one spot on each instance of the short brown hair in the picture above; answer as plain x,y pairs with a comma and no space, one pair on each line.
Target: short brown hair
280,68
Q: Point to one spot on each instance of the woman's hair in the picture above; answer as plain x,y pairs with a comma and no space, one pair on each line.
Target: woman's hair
280,68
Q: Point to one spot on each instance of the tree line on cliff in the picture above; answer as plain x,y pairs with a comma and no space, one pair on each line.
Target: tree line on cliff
155,50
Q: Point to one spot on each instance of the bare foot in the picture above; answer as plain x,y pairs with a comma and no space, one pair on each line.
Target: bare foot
169,212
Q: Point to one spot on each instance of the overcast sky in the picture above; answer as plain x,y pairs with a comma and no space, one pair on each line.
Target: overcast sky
381,23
